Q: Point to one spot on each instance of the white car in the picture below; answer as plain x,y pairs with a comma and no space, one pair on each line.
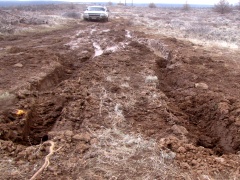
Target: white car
96,13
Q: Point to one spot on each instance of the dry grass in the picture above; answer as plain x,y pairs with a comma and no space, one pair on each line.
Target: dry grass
38,18
198,25
8,168
120,155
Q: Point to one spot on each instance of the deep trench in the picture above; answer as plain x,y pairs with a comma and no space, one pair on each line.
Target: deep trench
208,127
42,108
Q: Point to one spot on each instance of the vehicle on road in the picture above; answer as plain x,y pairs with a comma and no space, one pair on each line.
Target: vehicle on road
96,13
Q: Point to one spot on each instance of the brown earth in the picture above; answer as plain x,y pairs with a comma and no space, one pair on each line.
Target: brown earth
149,107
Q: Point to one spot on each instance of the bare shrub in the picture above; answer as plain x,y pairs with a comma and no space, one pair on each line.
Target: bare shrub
109,3
152,5
222,7
155,18
238,5
198,30
119,155
120,4
33,21
72,6
74,15
6,29
7,22
186,7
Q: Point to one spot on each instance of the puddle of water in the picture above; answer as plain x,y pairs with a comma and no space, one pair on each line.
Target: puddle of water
98,49
128,35
113,48
107,30
73,44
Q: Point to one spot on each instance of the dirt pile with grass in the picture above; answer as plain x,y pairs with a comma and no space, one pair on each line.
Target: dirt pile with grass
108,101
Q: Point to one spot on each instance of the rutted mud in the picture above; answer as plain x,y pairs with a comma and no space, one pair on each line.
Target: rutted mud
116,100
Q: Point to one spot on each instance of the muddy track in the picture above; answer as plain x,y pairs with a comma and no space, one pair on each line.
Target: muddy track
114,99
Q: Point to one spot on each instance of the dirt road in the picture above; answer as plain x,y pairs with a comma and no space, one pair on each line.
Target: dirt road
118,103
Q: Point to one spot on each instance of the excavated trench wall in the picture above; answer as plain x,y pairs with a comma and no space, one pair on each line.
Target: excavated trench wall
41,108
213,116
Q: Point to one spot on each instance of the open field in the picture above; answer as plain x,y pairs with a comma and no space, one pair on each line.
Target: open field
151,94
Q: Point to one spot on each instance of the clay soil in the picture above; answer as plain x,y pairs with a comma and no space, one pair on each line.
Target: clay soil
117,102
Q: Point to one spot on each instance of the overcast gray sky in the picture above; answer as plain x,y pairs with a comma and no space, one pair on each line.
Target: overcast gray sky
162,1
210,2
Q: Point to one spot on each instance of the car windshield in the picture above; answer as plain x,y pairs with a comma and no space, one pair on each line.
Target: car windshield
96,9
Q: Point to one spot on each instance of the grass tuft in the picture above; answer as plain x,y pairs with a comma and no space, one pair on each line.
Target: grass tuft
120,155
